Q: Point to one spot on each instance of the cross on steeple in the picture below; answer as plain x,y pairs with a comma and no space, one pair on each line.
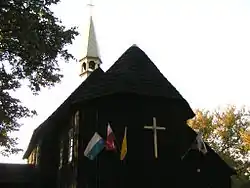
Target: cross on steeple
90,5
155,128
91,58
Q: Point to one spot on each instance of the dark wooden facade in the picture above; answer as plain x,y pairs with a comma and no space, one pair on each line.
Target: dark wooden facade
18,176
130,93
140,167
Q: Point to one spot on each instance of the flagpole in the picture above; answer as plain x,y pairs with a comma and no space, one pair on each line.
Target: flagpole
97,158
118,147
123,165
183,156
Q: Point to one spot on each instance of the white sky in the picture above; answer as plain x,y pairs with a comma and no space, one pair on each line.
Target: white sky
201,46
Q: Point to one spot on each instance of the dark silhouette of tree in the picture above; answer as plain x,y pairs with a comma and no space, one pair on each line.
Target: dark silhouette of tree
31,41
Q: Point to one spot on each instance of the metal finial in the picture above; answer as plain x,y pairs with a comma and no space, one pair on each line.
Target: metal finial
90,5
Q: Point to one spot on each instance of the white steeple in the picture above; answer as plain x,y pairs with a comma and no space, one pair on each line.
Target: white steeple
91,57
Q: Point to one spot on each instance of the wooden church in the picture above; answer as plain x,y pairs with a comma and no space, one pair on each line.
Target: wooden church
133,97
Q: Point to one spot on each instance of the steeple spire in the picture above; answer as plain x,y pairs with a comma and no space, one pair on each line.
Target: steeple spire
91,57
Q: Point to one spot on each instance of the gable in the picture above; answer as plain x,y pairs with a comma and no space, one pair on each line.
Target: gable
135,73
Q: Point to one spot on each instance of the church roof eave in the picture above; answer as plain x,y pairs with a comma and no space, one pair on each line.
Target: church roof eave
63,109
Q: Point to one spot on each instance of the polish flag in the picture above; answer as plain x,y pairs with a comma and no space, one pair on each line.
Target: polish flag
110,142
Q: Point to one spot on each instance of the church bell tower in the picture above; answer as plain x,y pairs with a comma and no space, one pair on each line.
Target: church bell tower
91,57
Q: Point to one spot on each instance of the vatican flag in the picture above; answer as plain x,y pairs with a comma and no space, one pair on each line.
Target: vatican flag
124,145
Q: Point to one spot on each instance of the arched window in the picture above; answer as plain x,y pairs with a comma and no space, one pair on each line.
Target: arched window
30,158
92,65
71,144
34,156
76,121
84,66
76,132
73,137
37,154
61,153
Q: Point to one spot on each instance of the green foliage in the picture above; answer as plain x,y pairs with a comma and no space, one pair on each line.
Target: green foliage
31,40
226,131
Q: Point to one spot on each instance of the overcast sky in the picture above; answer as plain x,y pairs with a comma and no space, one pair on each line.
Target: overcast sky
201,46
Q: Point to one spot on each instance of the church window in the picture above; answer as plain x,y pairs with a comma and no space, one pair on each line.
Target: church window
33,156
71,141
61,154
76,131
76,121
30,159
92,65
84,66
37,154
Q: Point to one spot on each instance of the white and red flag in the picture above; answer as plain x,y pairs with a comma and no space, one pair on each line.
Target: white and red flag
110,141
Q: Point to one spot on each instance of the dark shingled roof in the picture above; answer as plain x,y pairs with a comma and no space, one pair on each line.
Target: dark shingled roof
135,73
62,111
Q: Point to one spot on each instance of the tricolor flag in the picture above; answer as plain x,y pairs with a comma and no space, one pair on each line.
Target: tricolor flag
124,145
201,146
94,147
110,142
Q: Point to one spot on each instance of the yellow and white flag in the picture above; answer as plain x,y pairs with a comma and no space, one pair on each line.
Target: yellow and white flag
124,145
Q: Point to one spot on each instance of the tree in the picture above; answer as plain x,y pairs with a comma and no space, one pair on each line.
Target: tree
31,41
227,132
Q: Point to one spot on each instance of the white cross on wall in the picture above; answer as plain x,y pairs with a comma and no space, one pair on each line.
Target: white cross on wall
155,128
